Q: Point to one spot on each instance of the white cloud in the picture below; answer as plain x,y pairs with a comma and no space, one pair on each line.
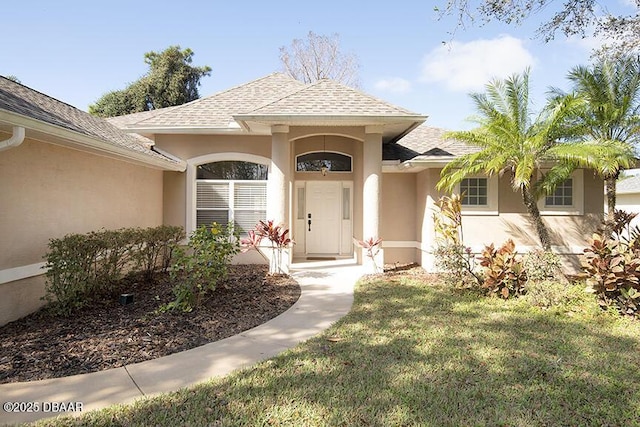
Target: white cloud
393,85
469,66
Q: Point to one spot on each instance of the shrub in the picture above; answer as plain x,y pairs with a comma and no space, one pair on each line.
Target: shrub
154,248
546,293
198,268
542,266
504,272
457,264
613,265
83,266
450,255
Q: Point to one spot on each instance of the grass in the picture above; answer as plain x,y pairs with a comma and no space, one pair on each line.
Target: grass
416,353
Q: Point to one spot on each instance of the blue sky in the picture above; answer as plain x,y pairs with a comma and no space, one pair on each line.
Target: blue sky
76,51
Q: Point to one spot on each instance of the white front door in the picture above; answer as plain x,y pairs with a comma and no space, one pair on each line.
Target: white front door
323,217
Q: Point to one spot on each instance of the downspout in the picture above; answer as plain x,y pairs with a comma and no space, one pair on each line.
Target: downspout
15,140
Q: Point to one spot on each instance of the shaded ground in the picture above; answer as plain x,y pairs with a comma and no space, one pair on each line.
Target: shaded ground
106,334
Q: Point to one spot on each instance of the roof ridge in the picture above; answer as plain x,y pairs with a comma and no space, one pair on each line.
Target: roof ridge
373,98
300,89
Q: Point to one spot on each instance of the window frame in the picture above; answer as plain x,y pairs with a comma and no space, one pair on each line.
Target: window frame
491,208
191,169
577,207
324,151
232,208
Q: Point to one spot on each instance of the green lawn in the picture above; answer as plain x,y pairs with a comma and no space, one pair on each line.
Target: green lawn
416,353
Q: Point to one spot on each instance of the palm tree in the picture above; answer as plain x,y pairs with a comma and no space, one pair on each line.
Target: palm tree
610,113
511,139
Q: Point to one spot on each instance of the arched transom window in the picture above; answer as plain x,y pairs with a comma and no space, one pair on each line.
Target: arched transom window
231,191
330,161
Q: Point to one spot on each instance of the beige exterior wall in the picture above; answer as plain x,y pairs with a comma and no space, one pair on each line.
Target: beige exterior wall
569,233
398,218
48,191
175,198
191,146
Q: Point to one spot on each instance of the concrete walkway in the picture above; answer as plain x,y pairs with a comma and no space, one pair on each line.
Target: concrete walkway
327,295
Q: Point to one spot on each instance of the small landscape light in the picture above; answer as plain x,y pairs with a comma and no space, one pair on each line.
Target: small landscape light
126,299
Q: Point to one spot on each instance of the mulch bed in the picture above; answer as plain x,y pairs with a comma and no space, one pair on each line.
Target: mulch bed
107,335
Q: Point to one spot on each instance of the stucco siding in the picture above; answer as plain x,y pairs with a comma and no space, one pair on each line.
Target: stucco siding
191,146
398,219
49,191
175,198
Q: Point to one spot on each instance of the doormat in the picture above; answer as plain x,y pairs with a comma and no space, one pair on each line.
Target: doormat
321,258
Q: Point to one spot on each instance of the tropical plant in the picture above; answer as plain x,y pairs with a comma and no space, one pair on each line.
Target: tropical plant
372,246
511,139
610,114
504,272
613,265
278,235
452,258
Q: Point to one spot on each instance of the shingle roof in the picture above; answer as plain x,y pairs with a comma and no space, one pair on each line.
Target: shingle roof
124,121
22,100
429,141
217,111
330,98
628,185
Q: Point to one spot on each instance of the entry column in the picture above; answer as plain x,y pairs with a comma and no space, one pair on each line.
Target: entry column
279,177
372,185
278,184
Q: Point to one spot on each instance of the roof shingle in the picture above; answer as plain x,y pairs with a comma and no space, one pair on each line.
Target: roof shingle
330,98
216,111
22,100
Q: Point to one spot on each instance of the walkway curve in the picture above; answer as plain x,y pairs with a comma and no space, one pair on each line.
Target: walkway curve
327,295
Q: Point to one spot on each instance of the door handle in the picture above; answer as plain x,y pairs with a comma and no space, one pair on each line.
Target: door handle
309,221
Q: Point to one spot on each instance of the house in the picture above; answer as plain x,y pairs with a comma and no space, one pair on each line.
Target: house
628,196
328,161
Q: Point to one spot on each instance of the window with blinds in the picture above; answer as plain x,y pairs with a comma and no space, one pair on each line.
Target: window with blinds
239,200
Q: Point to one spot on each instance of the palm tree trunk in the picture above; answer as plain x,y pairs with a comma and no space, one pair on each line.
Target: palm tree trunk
532,208
610,191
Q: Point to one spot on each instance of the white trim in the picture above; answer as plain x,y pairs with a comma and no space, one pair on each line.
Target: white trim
578,198
192,165
401,244
22,272
79,141
322,151
491,208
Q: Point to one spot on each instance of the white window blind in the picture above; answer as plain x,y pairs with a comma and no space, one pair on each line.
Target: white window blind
244,203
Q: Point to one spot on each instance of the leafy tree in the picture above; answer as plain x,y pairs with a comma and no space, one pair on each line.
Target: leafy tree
13,78
610,113
511,139
171,80
319,57
570,18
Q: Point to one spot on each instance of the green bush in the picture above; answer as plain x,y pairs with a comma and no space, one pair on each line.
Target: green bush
83,266
154,248
455,261
546,293
198,268
542,266
456,264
